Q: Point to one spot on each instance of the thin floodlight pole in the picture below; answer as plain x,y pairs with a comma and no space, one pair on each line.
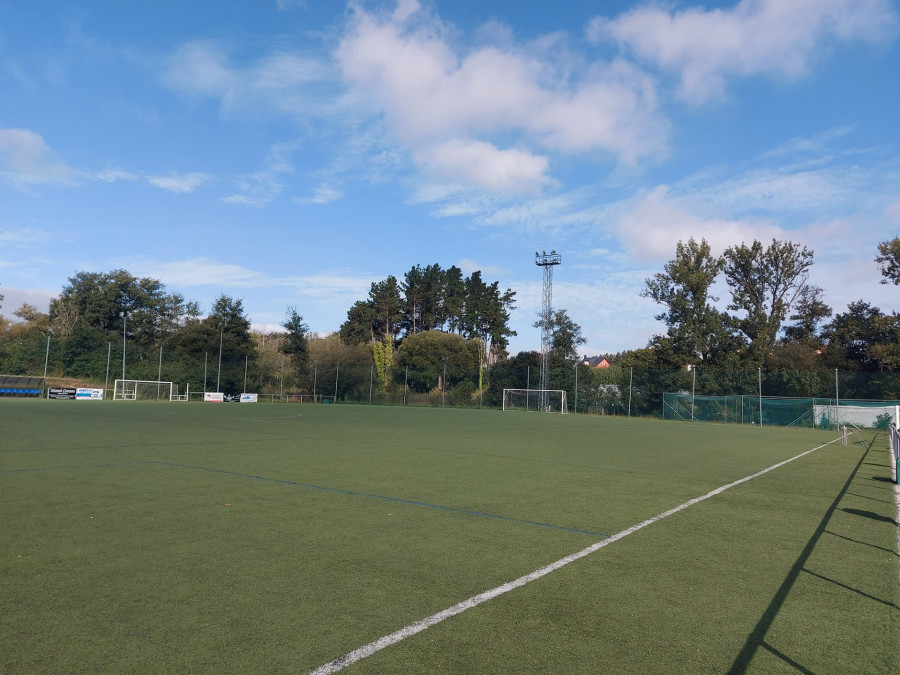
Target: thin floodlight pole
527,386
124,316
576,388
108,357
246,360
405,380
159,375
205,359
46,357
630,381
281,394
371,378
337,372
219,372
444,382
315,377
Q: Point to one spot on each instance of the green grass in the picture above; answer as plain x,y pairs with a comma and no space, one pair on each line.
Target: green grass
274,538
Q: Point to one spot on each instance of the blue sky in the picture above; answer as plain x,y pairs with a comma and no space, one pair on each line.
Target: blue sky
291,152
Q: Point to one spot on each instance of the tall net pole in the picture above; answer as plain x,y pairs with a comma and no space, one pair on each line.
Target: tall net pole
547,261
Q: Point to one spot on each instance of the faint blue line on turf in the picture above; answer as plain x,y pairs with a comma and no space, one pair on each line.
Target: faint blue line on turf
351,493
397,500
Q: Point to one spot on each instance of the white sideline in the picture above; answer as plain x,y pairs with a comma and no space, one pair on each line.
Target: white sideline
418,626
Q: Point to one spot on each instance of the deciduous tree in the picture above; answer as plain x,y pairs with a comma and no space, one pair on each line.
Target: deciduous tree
764,284
888,260
696,330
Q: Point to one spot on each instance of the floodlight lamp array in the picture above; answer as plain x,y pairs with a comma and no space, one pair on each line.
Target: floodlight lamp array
543,259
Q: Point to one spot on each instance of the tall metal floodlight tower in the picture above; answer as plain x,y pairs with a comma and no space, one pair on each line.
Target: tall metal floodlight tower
547,261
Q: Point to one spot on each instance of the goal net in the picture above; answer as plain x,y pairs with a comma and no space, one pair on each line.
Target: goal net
145,390
547,400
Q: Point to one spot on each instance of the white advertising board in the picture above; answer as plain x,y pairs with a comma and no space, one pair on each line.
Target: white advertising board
213,397
249,398
88,394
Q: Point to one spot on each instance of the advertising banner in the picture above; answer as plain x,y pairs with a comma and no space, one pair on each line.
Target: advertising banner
88,394
213,397
249,398
62,393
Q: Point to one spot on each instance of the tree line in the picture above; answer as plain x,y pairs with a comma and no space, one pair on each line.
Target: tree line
437,330
775,318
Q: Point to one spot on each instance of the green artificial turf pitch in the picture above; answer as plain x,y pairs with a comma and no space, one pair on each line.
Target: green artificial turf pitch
167,537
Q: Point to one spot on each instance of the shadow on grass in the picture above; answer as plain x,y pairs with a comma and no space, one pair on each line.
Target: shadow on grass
850,588
870,514
757,637
874,499
862,543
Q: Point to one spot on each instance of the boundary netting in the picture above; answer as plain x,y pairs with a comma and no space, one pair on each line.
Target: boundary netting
819,413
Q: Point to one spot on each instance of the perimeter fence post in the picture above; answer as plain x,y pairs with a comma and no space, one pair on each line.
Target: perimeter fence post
337,372
837,399
693,390
630,382
760,397
405,380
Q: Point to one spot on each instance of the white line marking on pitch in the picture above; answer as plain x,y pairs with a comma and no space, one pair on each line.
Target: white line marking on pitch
418,626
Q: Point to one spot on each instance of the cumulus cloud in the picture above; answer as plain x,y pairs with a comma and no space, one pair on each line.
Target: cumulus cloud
449,105
25,159
482,164
756,37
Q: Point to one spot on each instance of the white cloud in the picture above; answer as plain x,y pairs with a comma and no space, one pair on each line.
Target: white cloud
482,164
493,271
656,222
25,159
113,175
893,211
193,272
279,82
13,298
323,194
26,235
179,183
443,103
199,272
757,37
260,188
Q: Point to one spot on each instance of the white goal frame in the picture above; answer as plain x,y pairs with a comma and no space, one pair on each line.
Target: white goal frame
143,390
554,400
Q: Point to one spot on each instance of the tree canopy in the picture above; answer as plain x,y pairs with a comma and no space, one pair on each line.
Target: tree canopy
430,298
